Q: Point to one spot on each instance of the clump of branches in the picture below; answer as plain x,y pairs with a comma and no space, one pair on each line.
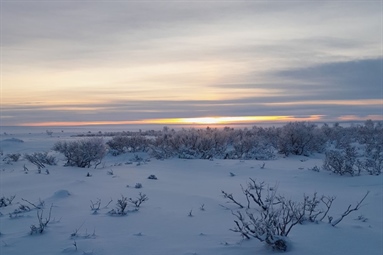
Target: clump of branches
95,206
12,157
38,206
273,216
348,211
123,202
42,222
19,211
121,206
5,201
139,200
40,159
26,208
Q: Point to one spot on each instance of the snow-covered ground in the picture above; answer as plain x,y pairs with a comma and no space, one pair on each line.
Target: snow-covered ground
172,220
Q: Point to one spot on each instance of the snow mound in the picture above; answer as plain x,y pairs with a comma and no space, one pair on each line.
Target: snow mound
61,194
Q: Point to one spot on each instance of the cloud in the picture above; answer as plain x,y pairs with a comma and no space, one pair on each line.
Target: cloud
359,79
130,60
158,109
82,33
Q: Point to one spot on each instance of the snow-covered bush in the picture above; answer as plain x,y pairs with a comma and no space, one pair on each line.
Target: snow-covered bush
371,136
300,138
372,163
82,153
340,137
341,161
121,144
190,144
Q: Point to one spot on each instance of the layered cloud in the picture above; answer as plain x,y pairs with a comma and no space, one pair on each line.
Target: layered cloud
128,61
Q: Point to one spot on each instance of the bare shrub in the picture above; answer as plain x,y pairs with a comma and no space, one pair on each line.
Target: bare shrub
274,216
121,206
123,203
152,177
12,157
82,153
42,222
40,159
348,211
139,200
95,206
6,201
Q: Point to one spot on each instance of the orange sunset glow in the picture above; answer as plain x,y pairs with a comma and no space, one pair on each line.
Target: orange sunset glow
186,121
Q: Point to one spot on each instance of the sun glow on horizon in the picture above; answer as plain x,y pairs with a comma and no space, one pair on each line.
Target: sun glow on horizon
184,121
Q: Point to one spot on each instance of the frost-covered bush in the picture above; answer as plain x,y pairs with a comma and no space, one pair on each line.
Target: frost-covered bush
341,162
300,138
212,143
82,153
371,136
340,137
121,144
372,165
252,147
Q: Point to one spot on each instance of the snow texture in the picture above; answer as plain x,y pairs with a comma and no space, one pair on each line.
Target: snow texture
184,188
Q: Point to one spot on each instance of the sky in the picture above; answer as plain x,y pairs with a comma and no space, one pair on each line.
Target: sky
120,62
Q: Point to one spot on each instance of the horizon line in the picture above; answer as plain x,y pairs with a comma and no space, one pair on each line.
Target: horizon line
198,121
215,120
